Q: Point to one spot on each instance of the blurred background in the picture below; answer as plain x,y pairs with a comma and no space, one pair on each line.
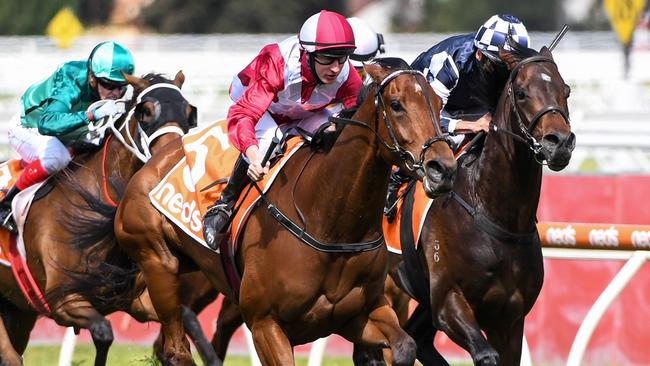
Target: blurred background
605,58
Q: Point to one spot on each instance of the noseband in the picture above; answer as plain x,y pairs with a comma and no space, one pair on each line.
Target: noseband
403,154
527,131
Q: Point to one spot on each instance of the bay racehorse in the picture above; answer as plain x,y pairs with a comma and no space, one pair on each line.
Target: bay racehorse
478,268
68,238
290,292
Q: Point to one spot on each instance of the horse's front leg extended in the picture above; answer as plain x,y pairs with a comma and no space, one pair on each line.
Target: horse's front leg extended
382,330
272,345
456,319
77,312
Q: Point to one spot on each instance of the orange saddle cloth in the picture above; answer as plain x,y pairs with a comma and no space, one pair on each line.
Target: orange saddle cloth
421,205
182,195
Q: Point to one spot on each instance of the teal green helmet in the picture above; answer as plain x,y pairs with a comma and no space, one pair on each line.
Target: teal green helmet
109,59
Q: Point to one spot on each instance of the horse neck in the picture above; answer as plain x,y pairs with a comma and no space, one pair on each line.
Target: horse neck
116,160
352,181
506,182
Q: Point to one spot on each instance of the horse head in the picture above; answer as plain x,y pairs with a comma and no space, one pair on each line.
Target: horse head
161,112
406,115
538,97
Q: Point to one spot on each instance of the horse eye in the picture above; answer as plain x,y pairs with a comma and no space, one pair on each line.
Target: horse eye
567,91
396,106
519,94
147,112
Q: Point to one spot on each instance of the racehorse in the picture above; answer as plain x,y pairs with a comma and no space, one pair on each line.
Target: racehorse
290,292
478,266
68,237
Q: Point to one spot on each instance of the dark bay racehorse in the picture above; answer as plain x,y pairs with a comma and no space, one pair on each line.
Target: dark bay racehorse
290,292
479,251
68,233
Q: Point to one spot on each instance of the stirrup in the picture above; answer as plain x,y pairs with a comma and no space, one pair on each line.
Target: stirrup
9,223
217,208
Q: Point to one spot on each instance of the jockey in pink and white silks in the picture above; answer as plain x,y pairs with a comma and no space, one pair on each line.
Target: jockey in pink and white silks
293,83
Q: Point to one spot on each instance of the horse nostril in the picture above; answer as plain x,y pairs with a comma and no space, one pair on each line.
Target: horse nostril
552,139
571,141
435,170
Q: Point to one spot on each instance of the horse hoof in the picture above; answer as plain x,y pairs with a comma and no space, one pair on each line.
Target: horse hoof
489,359
404,352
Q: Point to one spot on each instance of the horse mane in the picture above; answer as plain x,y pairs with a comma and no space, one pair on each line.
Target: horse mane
108,283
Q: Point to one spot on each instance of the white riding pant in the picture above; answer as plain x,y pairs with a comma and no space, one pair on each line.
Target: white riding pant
31,145
266,128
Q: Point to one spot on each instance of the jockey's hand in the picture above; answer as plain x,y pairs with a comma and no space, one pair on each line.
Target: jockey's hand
481,124
109,108
255,169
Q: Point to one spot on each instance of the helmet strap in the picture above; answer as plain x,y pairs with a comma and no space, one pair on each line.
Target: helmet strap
312,66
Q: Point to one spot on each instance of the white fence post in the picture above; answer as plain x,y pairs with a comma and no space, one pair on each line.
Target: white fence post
596,312
67,347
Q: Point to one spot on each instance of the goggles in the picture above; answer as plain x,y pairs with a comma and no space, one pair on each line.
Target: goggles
110,84
324,59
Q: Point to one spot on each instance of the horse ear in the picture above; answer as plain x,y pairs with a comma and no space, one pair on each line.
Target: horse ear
546,52
179,79
375,71
508,58
137,83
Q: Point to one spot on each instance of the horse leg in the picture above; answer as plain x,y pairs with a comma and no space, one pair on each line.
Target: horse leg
228,321
15,326
419,326
508,342
272,345
80,313
162,282
381,330
193,329
456,319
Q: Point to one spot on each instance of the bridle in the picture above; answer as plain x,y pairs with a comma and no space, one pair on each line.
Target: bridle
527,131
141,149
394,147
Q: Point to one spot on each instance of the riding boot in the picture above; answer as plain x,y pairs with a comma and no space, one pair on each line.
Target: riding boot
6,217
397,178
218,216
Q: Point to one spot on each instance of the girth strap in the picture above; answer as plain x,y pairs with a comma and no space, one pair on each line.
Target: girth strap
490,227
304,236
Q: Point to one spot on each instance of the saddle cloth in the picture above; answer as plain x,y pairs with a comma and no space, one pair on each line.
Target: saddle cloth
181,195
421,206
12,248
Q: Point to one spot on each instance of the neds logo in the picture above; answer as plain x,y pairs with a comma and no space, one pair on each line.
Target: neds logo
175,203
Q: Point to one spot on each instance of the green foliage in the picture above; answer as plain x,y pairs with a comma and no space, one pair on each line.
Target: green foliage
232,16
30,17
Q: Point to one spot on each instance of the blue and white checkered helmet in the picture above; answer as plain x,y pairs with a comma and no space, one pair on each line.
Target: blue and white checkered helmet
493,33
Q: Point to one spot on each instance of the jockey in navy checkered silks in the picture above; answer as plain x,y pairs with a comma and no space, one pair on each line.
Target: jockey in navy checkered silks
466,73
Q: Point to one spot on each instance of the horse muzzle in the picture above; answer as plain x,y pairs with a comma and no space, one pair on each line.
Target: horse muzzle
557,148
439,175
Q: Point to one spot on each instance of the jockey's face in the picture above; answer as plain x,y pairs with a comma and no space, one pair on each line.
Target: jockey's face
328,68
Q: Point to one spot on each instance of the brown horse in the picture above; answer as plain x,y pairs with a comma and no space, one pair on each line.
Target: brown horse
68,233
290,292
478,266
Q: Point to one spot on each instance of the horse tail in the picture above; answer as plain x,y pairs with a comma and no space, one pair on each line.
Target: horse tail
105,275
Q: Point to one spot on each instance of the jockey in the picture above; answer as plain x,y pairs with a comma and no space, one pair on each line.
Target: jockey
292,83
54,115
369,43
466,73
